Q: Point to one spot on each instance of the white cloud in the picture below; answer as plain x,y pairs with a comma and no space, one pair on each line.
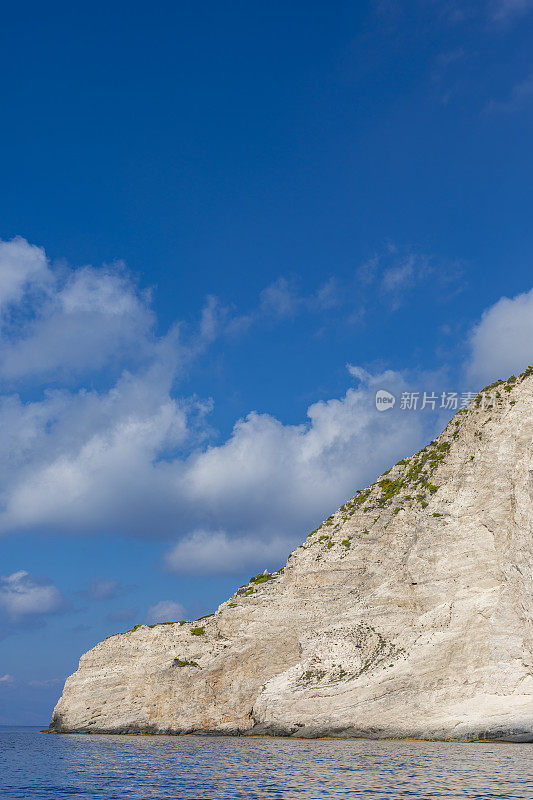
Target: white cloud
93,318
165,611
269,483
403,274
502,342
282,300
116,460
399,277
327,296
270,476
63,454
66,324
22,267
23,596
7,679
395,273
90,462
131,458
279,299
214,552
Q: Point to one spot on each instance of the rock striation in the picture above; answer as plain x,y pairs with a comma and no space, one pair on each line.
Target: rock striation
406,614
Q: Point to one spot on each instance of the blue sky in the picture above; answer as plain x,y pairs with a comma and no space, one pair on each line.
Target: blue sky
224,227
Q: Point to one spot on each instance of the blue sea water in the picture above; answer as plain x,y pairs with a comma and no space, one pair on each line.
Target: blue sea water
34,766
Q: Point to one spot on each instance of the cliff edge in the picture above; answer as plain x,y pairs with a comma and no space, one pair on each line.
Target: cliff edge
406,614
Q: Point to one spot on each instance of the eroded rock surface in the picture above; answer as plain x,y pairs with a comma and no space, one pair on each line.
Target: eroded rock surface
408,613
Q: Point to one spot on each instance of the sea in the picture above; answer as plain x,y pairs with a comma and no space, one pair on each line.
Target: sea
36,766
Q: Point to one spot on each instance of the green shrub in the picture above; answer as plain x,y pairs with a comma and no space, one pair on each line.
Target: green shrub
389,488
197,631
492,386
261,578
178,662
361,497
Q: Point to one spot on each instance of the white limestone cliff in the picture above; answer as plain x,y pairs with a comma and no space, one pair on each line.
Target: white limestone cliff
408,613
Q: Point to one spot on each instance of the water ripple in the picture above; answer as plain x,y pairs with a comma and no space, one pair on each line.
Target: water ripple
37,767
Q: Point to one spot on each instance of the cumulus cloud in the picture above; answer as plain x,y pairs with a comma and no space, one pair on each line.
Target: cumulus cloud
25,599
58,323
7,679
502,342
83,323
90,463
165,611
130,457
300,466
214,552
23,267
269,483
63,454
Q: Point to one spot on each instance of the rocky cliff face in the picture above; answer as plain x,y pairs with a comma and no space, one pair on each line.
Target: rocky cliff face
407,613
